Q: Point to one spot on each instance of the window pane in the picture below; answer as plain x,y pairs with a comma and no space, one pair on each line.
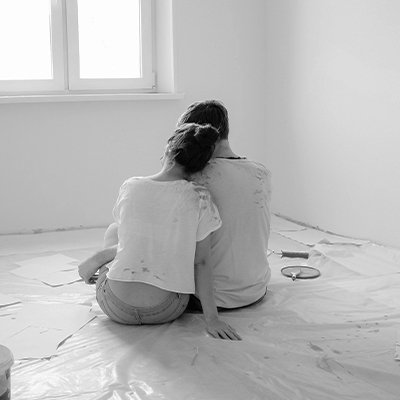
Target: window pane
109,39
25,40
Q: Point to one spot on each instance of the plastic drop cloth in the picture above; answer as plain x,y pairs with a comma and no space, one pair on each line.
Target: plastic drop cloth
333,337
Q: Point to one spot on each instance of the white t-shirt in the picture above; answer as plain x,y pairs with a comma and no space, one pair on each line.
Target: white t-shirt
241,189
159,225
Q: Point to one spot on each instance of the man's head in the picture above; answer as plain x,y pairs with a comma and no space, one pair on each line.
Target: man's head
211,112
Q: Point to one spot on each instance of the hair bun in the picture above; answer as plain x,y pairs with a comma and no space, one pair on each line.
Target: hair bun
206,135
192,145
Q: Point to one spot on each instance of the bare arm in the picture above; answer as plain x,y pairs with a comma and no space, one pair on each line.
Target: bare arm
91,265
205,289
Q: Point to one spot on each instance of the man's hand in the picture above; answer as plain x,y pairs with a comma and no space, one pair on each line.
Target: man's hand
220,330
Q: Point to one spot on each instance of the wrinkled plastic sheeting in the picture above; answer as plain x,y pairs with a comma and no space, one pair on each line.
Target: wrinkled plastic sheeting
333,337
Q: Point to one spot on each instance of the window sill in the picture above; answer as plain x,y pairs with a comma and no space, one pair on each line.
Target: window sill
53,98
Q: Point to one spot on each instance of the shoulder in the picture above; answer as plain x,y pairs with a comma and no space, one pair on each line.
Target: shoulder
244,164
261,168
258,165
201,194
133,179
200,190
128,184
255,168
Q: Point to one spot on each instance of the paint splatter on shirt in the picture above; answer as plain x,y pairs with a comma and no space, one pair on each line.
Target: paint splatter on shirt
159,225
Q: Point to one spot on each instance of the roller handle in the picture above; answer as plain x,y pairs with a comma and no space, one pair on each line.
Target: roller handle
295,254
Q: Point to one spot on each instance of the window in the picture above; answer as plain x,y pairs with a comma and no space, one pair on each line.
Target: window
78,46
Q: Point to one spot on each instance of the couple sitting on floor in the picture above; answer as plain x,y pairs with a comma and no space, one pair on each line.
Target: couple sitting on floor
193,236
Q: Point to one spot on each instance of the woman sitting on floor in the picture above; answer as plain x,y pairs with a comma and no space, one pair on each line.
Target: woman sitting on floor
159,244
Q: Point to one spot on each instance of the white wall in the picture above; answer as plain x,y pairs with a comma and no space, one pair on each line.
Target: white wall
312,87
62,164
333,72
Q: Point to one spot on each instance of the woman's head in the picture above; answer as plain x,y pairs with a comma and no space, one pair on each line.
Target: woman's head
211,112
192,146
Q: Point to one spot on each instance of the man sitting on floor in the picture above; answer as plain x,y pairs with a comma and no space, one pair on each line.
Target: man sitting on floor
241,189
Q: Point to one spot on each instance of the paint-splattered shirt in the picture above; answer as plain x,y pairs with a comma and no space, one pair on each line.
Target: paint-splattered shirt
241,189
159,225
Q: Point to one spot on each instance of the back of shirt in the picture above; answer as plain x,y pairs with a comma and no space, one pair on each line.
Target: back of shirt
241,189
159,224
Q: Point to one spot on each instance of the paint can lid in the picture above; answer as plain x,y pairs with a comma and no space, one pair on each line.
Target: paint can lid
6,358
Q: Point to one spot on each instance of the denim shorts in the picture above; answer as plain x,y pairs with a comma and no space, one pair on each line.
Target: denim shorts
168,310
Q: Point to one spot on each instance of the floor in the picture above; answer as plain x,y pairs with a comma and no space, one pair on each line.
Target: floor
332,337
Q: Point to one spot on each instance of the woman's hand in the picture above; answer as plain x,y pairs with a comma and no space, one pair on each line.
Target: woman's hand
220,330
88,268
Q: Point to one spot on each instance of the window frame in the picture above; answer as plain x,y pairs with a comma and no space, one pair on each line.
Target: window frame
65,59
57,53
145,82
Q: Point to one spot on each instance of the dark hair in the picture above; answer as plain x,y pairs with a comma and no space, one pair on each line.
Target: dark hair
192,146
211,112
